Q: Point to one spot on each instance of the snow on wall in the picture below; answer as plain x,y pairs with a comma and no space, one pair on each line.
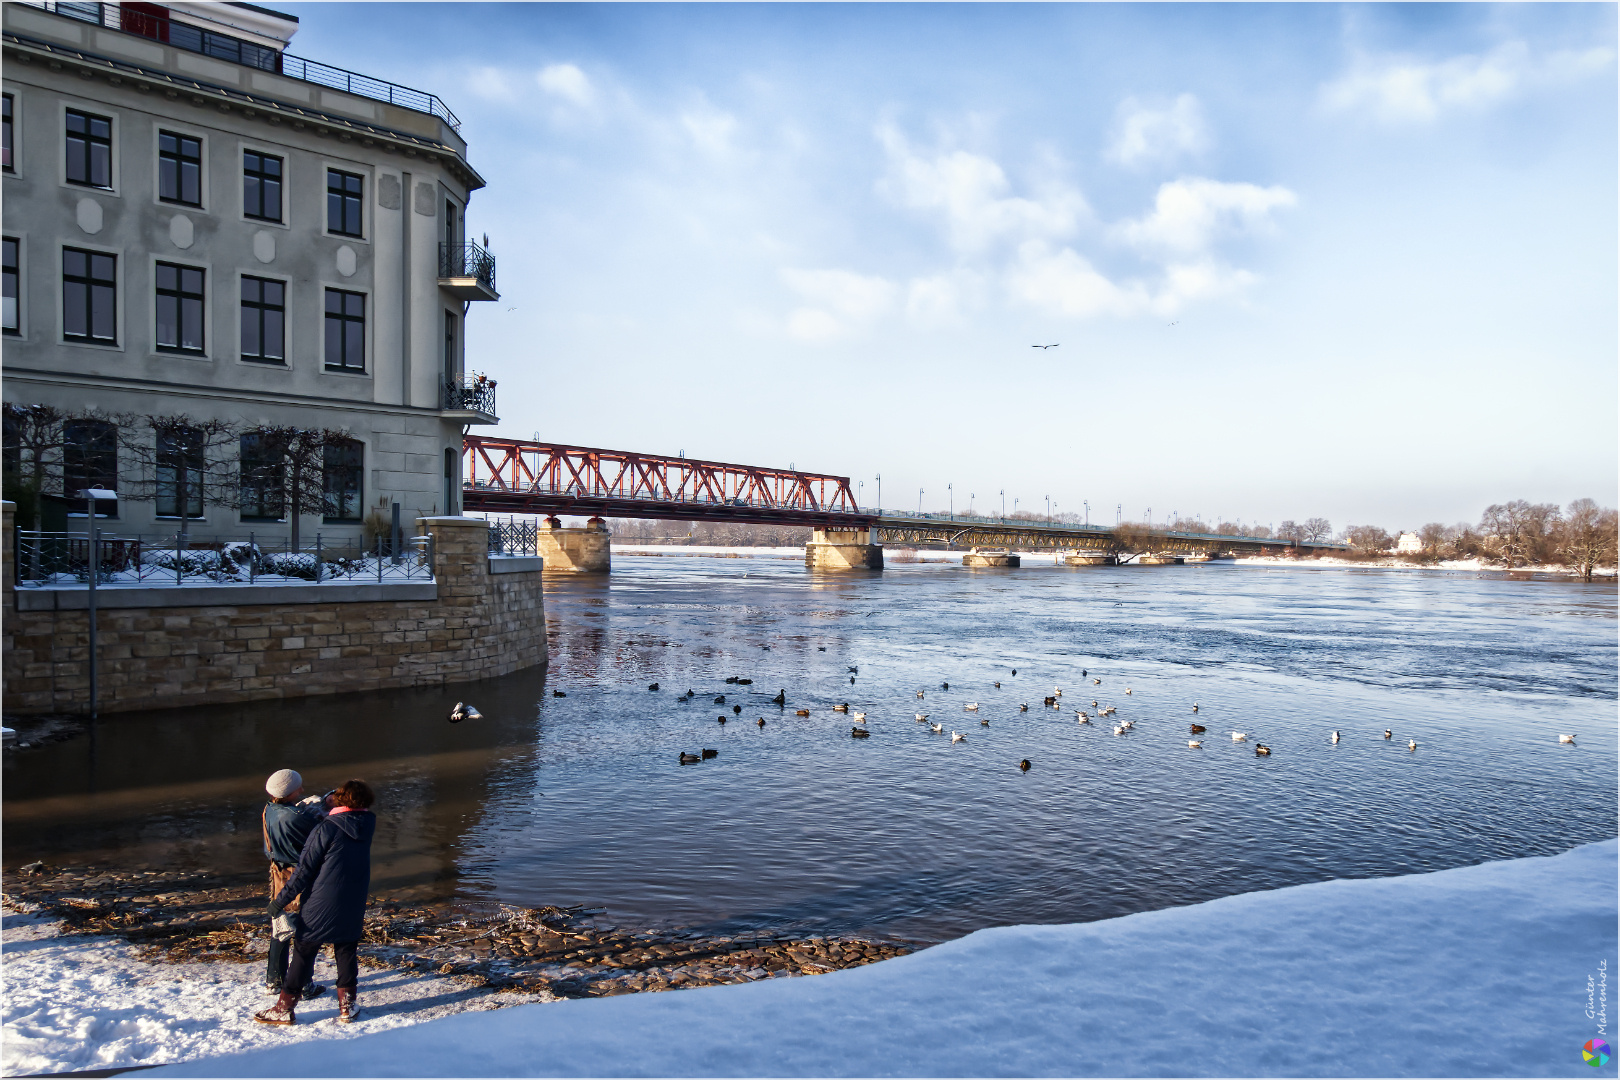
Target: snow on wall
1480,971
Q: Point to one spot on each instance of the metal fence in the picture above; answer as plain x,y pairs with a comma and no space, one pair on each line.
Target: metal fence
467,261
513,537
45,559
474,393
225,46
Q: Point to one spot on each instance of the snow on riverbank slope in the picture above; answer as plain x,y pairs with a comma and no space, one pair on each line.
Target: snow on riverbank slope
1480,971
72,1003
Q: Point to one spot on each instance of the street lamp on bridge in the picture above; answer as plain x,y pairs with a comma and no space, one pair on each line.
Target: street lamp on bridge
950,492
1049,509
1003,494
919,500
880,492
1087,504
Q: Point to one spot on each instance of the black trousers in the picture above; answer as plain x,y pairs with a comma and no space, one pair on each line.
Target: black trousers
301,965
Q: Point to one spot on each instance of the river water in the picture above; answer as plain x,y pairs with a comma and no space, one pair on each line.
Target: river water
797,825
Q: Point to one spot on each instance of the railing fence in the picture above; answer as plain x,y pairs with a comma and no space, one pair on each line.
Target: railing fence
63,559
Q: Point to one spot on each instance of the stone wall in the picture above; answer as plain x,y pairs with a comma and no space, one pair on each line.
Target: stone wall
577,550
163,647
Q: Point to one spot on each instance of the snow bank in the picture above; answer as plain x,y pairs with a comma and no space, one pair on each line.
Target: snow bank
75,1003
1480,971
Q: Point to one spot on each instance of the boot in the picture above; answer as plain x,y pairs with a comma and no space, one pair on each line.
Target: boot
281,1012
348,1006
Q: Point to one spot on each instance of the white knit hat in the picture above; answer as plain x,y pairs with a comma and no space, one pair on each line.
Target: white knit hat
283,783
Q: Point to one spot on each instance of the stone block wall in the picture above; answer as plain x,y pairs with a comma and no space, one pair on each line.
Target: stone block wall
159,648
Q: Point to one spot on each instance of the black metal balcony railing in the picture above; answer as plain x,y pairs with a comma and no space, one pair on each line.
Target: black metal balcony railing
224,46
467,261
471,393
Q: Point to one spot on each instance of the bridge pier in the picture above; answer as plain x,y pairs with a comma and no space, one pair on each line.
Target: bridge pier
843,549
580,551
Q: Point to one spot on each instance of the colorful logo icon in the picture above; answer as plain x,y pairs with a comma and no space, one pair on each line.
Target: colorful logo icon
1595,1053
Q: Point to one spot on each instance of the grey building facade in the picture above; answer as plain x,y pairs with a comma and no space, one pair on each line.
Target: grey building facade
199,223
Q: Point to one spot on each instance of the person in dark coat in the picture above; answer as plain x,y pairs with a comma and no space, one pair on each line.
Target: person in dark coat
287,822
331,883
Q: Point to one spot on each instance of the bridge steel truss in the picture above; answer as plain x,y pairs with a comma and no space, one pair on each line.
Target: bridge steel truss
922,531
516,476
523,477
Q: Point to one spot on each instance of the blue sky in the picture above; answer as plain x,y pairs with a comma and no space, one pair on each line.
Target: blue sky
1356,262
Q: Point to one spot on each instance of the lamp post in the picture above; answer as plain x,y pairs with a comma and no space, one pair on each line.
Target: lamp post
1003,494
971,497
950,491
1087,504
859,484
880,492
919,500
90,495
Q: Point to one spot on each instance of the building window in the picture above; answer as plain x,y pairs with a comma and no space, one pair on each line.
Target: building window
89,149
450,364
263,470
89,296
264,320
6,105
179,169
179,308
11,323
179,472
345,330
261,186
341,480
343,192
90,460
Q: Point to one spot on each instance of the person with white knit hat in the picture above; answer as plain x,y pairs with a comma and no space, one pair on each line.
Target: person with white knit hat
287,824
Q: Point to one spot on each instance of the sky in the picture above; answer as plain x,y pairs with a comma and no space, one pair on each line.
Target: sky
1357,262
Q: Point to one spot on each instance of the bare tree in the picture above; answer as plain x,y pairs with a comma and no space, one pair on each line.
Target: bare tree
1317,529
34,437
286,470
1288,530
1521,531
181,463
1433,536
1368,538
1587,538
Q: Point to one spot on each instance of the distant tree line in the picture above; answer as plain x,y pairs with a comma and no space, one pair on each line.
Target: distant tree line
707,533
1583,536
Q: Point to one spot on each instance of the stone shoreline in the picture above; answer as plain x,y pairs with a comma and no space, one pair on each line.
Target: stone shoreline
186,916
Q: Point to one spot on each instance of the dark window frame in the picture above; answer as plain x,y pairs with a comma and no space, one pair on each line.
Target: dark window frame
90,460
263,486
167,494
256,179
88,141
188,304
343,481
260,311
345,203
93,284
11,283
8,133
452,365
173,169
340,328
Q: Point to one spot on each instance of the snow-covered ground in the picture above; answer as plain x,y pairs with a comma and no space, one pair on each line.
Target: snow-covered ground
1481,971
1392,563
76,1003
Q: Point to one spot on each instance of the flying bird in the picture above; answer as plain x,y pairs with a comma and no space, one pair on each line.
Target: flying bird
1054,345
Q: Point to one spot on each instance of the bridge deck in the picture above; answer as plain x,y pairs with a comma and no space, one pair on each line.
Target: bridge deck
516,476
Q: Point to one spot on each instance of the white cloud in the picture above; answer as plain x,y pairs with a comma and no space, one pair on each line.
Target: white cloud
710,129
970,191
1145,135
1406,90
1189,214
1064,284
844,301
943,299
567,82
492,83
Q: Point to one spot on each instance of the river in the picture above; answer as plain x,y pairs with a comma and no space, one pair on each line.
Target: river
797,825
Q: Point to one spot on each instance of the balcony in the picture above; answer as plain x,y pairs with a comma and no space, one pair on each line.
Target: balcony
471,398
191,35
467,272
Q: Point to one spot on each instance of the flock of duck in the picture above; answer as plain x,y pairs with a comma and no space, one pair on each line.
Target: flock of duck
859,730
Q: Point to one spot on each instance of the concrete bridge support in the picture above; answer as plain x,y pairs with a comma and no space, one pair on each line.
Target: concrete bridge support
840,549
575,550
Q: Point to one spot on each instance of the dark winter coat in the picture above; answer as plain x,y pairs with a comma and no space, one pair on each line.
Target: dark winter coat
286,827
333,877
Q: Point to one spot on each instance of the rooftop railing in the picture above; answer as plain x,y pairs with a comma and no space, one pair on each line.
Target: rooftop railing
225,46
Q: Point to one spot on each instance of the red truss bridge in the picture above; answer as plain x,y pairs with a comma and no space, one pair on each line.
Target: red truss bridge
514,476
